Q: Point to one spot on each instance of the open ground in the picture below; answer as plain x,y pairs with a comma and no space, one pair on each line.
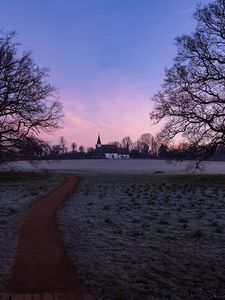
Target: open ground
18,192
148,234
148,237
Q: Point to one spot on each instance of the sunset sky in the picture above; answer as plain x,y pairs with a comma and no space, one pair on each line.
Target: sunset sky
106,57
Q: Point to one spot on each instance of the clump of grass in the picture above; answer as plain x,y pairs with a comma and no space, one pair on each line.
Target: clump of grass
12,210
184,225
3,222
34,193
135,221
134,202
136,233
118,231
197,234
106,207
108,221
219,229
170,237
145,225
200,214
163,221
193,205
159,230
182,220
167,198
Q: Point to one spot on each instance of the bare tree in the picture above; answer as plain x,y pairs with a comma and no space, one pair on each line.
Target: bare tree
74,146
145,140
28,104
116,143
62,144
56,151
81,149
192,98
126,142
154,146
32,148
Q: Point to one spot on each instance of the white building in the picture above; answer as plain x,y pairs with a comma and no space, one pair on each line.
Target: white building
111,151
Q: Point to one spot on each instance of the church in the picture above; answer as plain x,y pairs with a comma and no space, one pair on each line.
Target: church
110,151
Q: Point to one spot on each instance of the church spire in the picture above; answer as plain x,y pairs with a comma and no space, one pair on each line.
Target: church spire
98,141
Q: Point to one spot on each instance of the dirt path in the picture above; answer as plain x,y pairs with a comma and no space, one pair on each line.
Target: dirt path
41,263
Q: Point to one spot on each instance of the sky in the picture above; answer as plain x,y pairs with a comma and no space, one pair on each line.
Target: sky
106,58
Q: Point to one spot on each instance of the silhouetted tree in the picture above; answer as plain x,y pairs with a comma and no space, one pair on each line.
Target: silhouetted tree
28,104
62,144
56,151
163,151
116,143
192,98
154,147
32,148
144,143
91,153
74,146
81,149
126,142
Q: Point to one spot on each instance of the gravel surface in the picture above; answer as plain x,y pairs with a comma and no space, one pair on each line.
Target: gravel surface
17,195
148,237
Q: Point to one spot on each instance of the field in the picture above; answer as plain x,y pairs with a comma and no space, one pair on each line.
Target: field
133,229
18,192
148,237
137,166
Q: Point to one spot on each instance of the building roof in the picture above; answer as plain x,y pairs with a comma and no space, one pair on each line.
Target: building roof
109,148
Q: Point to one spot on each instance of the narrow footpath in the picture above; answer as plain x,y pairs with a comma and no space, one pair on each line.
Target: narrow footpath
42,267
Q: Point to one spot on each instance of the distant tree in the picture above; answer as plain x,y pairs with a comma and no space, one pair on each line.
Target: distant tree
74,146
116,143
91,152
163,151
134,153
154,146
56,150
81,149
90,149
192,98
28,104
126,142
144,142
33,148
62,144
146,139
138,145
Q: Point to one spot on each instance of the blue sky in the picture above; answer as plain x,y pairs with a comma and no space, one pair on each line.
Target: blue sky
107,58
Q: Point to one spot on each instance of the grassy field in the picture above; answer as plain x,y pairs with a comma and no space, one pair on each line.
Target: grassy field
18,192
120,166
148,237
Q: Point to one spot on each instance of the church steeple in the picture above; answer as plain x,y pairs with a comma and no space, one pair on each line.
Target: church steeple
98,145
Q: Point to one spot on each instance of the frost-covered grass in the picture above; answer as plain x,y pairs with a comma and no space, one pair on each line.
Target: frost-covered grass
120,166
148,237
18,192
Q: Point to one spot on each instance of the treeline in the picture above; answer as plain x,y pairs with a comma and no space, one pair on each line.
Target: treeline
146,147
